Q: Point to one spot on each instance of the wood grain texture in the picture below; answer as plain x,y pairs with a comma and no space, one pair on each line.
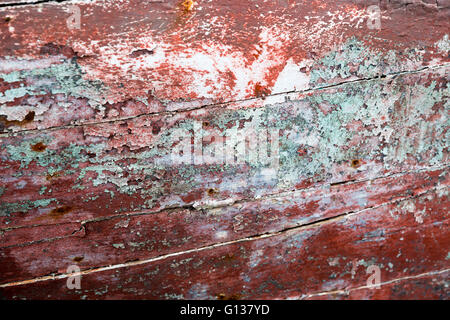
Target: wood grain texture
349,169
403,239
138,237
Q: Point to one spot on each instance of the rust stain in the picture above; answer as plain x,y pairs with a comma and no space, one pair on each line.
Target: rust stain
54,175
356,163
141,52
38,147
188,5
78,259
56,49
223,296
212,191
4,123
302,152
59,212
261,91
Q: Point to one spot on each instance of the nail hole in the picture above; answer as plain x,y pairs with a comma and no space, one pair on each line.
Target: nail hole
78,259
140,52
212,191
356,163
30,116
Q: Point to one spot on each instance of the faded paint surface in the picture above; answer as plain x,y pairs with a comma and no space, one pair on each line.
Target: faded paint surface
90,119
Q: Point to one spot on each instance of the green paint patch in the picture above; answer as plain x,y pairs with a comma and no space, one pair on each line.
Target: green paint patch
354,60
65,78
6,209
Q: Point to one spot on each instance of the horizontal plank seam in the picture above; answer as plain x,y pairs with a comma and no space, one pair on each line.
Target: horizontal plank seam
213,246
25,244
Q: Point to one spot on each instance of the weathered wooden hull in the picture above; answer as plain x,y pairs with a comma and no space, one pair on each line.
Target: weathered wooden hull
95,173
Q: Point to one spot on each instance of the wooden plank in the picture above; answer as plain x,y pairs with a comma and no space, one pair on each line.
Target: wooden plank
350,132
432,286
402,239
133,58
129,238
28,235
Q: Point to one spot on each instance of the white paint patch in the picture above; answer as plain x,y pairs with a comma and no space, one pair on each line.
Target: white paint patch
21,184
442,192
19,112
212,70
14,65
409,206
291,78
419,216
221,235
122,224
209,204
333,261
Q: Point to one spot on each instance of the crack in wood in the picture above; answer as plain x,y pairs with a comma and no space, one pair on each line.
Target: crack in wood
348,290
219,244
29,3
283,194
